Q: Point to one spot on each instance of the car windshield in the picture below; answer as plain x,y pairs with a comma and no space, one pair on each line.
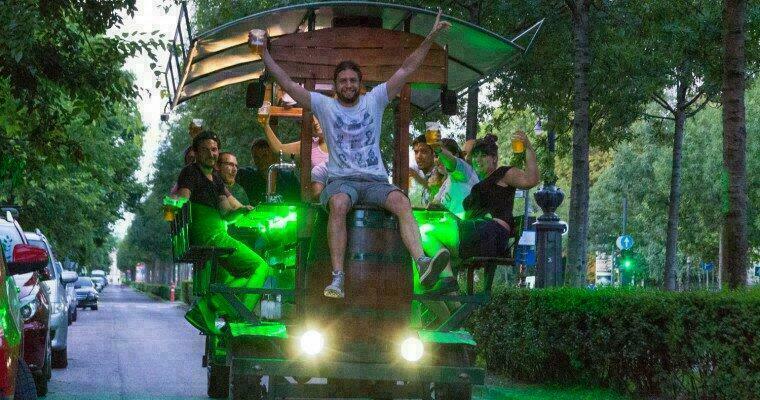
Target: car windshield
41,244
83,282
9,237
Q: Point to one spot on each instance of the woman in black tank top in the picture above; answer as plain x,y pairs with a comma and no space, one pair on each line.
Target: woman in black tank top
488,225
486,229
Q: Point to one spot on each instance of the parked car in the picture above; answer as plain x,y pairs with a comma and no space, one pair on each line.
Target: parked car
99,282
71,295
16,379
100,273
59,304
87,296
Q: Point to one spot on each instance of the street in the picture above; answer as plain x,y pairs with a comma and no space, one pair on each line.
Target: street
133,347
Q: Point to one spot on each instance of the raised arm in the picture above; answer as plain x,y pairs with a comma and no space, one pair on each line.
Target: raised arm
448,160
293,148
296,91
397,81
529,177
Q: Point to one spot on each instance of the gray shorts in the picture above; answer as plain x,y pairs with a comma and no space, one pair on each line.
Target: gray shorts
365,190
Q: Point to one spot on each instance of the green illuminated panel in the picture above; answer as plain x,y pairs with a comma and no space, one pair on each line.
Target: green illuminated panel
455,337
268,329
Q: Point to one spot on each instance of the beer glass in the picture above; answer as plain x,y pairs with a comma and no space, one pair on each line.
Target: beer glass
257,41
264,112
432,132
518,146
196,126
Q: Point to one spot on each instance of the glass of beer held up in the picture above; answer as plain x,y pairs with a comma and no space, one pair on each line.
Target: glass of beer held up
257,40
432,132
264,112
518,146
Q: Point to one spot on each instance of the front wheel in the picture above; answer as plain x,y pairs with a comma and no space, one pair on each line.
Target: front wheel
218,381
458,356
94,308
25,386
60,358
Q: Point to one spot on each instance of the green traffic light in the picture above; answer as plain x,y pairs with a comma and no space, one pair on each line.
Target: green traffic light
627,264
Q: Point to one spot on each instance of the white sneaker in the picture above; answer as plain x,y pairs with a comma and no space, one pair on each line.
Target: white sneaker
430,268
335,289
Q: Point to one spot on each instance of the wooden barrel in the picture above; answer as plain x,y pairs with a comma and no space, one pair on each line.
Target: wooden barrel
378,283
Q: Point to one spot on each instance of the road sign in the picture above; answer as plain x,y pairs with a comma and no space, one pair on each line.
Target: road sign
708,266
624,242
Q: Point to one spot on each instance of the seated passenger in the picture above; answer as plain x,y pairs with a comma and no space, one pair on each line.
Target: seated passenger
227,166
253,179
318,180
293,149
210,207
459,180
488,222
421,173
189,159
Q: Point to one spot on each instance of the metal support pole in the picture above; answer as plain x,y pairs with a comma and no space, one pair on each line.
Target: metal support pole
549,268
625,213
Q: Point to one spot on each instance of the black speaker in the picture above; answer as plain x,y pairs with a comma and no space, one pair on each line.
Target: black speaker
254,94
448,102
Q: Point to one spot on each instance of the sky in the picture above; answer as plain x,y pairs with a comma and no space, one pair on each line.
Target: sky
150,16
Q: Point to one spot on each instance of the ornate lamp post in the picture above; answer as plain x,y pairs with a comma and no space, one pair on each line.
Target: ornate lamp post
549,230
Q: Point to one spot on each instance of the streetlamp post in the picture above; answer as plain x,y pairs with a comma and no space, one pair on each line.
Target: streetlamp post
549,230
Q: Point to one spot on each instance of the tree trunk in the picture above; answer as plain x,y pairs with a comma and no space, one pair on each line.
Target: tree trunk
671,243
579,187
735,246
471,127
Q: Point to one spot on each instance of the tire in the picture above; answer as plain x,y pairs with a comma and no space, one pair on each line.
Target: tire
460,357
41,384
94,308
218,381
247,389
75,314
60,358
25,386
43,376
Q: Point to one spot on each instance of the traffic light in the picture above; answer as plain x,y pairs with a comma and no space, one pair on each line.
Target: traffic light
627,261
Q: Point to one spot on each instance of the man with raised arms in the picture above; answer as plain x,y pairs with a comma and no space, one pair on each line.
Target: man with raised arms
356,173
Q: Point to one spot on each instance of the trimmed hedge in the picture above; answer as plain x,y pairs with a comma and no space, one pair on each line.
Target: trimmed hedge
696,345
159,290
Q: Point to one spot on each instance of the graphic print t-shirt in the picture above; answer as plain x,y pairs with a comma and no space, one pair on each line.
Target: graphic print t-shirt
353,134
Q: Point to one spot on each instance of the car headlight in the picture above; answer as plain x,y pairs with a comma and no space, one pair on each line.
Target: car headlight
312,342
28,310
412,349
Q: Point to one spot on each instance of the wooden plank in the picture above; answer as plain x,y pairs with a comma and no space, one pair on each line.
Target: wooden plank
401,140
424,74
286,112
379,53
306,132
364,57
356,37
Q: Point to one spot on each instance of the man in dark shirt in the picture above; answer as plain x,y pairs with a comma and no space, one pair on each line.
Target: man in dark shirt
253,179
210,207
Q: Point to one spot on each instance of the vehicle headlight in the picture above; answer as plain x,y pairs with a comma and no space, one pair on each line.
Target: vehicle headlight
28,310
59,308
412,349
312,342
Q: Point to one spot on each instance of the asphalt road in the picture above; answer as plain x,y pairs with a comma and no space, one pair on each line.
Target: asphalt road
132,348
136,348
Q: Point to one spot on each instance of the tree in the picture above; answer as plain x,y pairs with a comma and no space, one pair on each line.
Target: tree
734,255
685,47
646,157
65,98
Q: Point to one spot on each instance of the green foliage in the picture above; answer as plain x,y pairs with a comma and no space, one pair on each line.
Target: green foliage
64,99
641,172
675,345
160,290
